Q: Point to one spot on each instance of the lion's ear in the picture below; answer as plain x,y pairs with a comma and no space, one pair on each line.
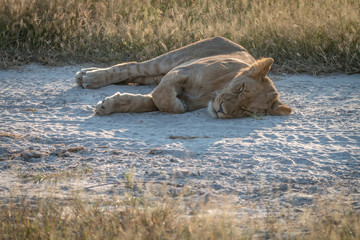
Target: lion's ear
279,109
261,67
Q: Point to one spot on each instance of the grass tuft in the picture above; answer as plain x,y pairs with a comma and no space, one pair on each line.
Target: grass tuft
302,36
75,149
12,135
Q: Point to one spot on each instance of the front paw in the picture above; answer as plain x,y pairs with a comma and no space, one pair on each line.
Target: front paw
103,108
79,77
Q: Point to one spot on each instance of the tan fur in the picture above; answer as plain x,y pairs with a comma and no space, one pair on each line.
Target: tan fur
214,72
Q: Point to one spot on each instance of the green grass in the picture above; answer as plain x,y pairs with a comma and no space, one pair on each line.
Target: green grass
301,35
164,217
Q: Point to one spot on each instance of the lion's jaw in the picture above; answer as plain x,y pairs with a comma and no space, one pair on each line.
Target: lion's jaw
217,109
227,107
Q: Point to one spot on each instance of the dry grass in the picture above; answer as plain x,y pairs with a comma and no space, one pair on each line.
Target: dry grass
56,176
12,135
170,218
30,109
75,149
303,36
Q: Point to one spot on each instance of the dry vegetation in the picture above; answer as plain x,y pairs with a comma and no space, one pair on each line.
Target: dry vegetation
56,176
11,135
169,218
302,35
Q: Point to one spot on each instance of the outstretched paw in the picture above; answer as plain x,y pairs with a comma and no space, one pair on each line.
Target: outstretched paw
103,108
90,78
117,103
79,77
109,105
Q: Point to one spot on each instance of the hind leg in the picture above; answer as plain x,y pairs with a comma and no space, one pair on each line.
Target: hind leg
100,77
126,102
131,72
121,73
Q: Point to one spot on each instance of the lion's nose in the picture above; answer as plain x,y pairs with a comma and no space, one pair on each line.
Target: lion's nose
221,110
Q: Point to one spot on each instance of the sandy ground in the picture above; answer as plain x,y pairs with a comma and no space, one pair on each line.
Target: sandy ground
47,129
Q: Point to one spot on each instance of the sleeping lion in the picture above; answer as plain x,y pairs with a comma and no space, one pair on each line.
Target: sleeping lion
215,73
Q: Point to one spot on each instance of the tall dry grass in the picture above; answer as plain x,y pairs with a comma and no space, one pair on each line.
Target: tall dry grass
302,35
170,218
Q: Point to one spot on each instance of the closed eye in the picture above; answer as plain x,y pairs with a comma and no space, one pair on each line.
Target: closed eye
241,89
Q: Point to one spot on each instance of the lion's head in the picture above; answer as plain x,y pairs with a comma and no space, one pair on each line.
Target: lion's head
250,93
